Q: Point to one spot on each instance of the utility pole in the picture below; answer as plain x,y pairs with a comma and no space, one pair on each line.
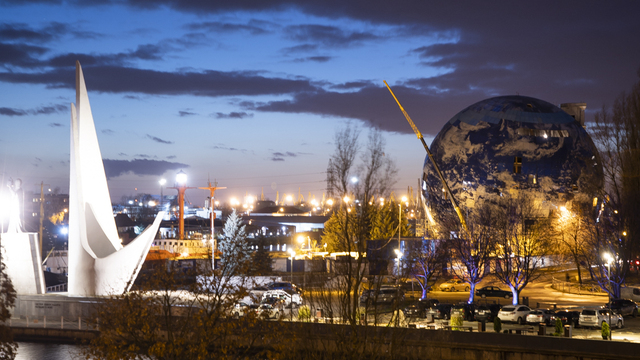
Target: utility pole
40,231
212,216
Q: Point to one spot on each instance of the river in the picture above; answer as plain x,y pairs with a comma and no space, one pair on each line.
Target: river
44,351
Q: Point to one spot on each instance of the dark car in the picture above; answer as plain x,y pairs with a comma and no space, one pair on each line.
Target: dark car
493,291
385,294
419,308
623,307
440,311
487,312
568,317
467,310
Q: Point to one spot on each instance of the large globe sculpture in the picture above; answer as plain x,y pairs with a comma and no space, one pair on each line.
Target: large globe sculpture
510,144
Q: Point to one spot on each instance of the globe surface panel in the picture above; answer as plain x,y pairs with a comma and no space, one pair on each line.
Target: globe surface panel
512,143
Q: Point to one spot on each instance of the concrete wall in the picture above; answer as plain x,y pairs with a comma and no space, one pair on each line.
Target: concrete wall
450,345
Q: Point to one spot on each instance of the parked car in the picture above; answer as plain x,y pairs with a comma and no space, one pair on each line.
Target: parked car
283,285
487,312
568,317
493,291
624,307
538,316
269,311
242,308
385,294
454,285
595,318
287,296
257,292
514,313
467,310
440,311
419,308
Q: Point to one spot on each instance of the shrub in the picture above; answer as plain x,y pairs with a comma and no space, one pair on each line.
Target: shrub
558,328
304,313
497,324
456,321
605,330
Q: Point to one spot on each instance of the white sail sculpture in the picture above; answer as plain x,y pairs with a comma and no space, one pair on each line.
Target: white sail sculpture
98,263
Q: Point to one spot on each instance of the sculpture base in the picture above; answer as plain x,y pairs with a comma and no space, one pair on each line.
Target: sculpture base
21,255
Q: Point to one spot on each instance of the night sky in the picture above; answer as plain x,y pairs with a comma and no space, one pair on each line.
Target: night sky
251,93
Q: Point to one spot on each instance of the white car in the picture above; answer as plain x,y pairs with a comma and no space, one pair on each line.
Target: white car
269,311
514,313
285,296
241,309
595,318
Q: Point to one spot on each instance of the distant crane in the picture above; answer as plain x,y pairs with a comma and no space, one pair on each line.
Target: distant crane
433,161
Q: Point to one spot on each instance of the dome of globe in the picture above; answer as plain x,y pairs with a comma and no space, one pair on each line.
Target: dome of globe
508,144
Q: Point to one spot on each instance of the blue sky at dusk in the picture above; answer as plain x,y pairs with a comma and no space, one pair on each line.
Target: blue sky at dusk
250,93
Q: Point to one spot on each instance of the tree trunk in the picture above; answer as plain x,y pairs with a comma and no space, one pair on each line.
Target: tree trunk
472,292
516,295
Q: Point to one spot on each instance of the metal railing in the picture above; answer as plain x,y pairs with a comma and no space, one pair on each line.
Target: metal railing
53,322
576,288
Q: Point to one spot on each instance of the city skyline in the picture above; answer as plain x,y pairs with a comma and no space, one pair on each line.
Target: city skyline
250,94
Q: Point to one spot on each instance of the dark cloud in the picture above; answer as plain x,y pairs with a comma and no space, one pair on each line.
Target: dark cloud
253,27
108,132
22,32
300,48
186,113
115,168
171,157
54,125
114,79
50,109
42,110
280,156
351,85
158,140
145,156
20,55
12,112
142,52
319,59
223,147
233,115
122,154
330,36
375,105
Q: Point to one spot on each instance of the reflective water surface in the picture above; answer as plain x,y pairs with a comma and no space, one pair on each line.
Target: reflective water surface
41,351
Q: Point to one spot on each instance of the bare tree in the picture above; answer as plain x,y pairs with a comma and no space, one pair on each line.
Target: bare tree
473,247
425,261
570,229
522,240
607,243
617,135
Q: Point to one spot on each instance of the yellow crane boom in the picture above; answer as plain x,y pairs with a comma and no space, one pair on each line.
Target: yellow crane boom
433,161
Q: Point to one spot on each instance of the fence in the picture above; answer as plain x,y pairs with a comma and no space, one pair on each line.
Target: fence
53,323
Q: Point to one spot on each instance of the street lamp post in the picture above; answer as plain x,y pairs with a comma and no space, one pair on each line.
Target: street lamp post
609,258
398,250
292,252
162,182
181,186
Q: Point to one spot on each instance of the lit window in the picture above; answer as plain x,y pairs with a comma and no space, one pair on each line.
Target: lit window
517,165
